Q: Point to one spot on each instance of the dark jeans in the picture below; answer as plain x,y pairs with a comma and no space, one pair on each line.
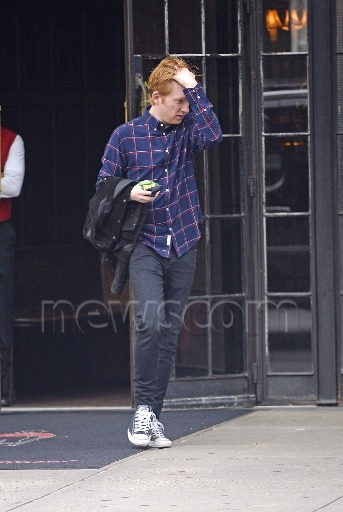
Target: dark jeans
7,244
161,288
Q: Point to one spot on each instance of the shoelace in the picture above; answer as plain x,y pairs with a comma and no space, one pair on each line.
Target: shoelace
158,429
142,422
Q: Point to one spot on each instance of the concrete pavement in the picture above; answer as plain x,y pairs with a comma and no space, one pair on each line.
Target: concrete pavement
287,459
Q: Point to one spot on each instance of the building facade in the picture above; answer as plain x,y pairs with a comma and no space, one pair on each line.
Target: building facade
264,321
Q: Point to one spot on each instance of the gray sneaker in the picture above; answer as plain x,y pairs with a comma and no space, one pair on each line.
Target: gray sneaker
139,432
158,438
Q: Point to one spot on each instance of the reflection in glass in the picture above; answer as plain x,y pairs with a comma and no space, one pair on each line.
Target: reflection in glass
227,326
199,282
285,94
221,26
340,92
226,256
222,89
289,322
288,254
340,237
224,177
224,318
286,174
191,360
285,26
144,42
184,19
200,174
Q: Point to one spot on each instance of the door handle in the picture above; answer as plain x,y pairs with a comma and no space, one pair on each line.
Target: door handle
144,92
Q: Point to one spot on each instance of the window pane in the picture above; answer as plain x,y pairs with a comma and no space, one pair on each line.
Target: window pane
340,259
148,39
227,326
184,26
192,351
288,255
199,282
285,25
222,321
224,177
340,92
222,88
221,26
226,256
339,25
200,174
286,174
290,326
285,94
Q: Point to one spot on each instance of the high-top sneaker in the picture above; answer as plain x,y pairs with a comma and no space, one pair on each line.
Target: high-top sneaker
139,432
158,438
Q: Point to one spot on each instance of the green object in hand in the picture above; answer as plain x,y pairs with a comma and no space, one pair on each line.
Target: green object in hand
148,184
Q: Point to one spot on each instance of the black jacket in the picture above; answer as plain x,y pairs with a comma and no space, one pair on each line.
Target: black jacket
113,224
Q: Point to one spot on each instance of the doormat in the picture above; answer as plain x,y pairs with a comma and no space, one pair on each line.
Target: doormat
87,439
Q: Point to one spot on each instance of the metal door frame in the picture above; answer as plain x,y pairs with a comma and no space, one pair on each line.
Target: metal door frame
321,388
324,379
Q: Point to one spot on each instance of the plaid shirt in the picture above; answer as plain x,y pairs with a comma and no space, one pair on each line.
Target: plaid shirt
145,149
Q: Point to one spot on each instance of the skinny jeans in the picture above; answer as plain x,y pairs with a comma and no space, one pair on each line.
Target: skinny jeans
161,288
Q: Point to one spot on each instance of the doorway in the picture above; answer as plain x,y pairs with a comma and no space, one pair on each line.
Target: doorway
253,331
62,88
250,327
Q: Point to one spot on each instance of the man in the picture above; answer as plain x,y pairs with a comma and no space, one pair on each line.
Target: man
12,176
159,146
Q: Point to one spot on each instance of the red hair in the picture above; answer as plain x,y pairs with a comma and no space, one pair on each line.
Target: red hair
162,75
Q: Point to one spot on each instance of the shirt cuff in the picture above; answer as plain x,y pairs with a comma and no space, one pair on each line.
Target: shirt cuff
194,94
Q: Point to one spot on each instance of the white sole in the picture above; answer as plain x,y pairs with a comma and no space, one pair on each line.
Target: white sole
137,442
152,444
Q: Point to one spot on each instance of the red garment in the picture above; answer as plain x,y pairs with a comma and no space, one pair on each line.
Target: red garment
7,139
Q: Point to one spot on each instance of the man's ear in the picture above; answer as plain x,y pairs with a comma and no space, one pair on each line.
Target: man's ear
155,96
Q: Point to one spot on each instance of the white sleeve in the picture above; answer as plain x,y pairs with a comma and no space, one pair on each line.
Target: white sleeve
14,169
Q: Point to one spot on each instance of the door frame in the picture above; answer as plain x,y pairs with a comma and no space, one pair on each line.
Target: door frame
321,386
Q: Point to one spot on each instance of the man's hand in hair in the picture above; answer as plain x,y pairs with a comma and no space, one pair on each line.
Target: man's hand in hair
185,78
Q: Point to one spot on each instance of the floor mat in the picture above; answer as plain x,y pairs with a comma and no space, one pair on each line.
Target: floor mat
87,439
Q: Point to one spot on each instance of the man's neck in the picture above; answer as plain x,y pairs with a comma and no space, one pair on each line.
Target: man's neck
152,112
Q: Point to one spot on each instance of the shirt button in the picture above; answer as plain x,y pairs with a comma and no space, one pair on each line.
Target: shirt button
167,189
167,209
165,170
167,151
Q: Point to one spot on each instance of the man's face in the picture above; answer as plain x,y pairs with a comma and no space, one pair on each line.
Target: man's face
172,107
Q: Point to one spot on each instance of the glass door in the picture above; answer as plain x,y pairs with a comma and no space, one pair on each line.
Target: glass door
215,360
248,334
287,302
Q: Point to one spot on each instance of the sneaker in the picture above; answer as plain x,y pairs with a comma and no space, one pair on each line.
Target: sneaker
158,438
139,432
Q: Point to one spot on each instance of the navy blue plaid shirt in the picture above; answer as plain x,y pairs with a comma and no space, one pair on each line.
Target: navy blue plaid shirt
145,149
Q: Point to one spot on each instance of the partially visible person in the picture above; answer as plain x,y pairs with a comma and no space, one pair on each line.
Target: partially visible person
160,146
12,176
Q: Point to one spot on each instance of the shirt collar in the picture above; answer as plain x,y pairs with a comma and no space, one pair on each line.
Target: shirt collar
154,123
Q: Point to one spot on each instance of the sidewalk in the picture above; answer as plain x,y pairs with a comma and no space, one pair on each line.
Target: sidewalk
275,459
